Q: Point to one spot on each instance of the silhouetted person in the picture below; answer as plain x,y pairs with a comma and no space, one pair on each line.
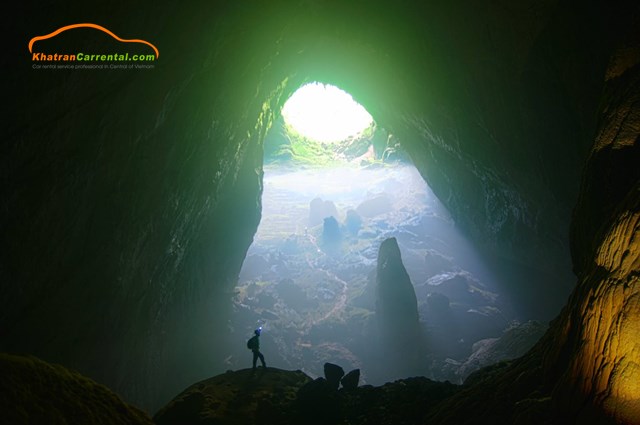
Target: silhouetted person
254,345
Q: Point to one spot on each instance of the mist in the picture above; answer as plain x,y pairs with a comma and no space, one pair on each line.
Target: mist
309,279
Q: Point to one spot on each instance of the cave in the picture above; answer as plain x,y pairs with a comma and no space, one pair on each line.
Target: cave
131,195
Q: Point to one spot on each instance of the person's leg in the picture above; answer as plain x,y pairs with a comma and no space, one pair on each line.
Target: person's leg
262,359
255,357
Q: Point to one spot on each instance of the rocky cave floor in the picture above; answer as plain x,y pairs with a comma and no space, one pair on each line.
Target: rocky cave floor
39,392
276,396
313,291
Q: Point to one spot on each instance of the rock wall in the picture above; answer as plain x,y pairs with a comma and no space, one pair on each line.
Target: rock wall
598,334
584,369
129,200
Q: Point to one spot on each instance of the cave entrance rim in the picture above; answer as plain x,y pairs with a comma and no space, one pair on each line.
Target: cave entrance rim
321,125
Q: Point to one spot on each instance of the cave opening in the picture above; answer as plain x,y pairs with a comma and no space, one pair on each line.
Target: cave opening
325,113
309,277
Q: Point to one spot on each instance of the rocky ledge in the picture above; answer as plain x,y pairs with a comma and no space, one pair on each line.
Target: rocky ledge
275,396
33,391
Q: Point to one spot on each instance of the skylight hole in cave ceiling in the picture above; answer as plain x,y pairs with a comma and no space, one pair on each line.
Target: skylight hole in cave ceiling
325,113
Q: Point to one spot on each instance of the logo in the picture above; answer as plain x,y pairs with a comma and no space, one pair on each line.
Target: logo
122,58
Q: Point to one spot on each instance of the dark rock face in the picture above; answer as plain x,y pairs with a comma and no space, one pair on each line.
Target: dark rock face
584,369
318,402
596,336
36,392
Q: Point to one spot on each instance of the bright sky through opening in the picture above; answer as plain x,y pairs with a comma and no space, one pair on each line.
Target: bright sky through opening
325,113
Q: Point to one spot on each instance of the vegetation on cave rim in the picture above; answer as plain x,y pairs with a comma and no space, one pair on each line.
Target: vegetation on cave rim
299,150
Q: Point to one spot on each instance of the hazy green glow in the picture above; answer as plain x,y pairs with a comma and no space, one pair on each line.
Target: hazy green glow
325,113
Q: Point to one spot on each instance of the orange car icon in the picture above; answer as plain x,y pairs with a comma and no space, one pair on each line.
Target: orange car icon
98,27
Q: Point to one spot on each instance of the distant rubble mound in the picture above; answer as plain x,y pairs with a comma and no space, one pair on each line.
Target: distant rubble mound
437,263
294,296
461,289
319,210
474,312
379,204
438,304
514,342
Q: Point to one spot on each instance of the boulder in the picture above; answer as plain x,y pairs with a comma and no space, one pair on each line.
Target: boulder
319,210
436,263
331,233
350,380
514,342
353,222
333,373
462,289
377,205
438,304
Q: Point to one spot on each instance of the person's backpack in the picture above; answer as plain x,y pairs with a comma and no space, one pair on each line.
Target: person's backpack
251,344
